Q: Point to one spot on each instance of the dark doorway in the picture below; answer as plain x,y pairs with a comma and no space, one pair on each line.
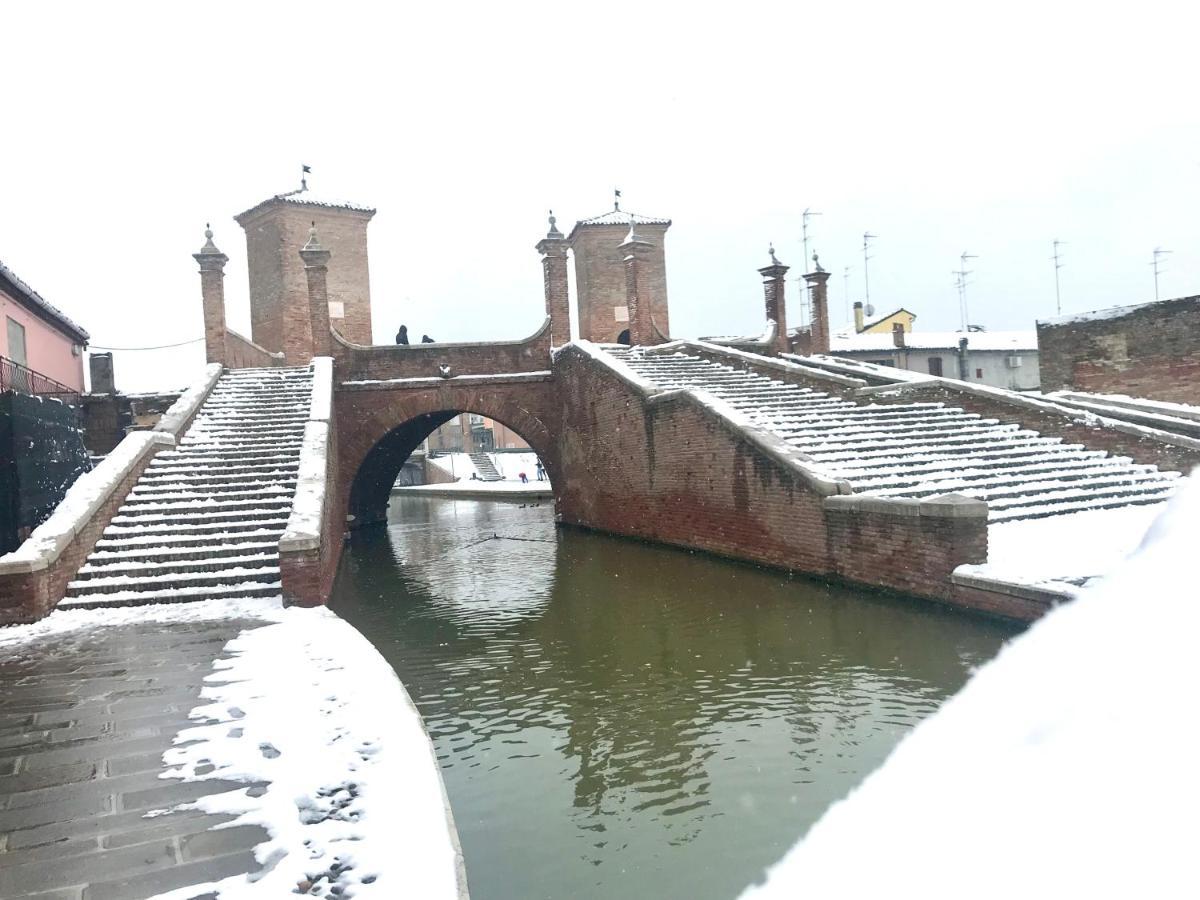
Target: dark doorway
935,365
623,337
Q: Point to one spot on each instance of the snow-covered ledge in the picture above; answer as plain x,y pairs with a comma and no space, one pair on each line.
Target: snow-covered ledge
180,415
307,549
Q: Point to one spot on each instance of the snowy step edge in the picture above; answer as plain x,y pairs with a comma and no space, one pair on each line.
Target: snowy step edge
179,540
117,583
1070,495
834,450
186,528
960,478
995,460
182,595
199,516
139,553
1024,513
967,457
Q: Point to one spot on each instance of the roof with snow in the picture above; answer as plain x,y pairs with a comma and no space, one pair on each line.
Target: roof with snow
618,217
841,342
39,305
305,197
1115,312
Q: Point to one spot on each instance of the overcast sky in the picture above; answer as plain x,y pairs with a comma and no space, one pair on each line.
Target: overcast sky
940,128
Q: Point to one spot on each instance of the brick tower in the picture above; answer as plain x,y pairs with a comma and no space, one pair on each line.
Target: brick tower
600,272
276,230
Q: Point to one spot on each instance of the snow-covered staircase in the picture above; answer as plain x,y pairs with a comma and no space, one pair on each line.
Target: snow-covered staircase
204,519
917,449
485,467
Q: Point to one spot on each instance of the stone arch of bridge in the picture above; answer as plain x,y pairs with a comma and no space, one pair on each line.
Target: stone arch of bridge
378,430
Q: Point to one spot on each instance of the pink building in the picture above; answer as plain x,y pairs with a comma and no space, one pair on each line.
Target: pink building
34,334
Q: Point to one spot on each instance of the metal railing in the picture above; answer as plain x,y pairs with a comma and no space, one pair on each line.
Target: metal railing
16,377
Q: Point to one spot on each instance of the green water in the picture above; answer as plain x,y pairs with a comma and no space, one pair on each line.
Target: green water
616,720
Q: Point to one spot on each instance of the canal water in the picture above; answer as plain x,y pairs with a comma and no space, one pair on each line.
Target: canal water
617,720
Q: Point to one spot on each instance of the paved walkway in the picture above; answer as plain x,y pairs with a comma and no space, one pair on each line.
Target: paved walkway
84,720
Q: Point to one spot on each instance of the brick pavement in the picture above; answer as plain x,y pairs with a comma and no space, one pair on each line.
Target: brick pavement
84,720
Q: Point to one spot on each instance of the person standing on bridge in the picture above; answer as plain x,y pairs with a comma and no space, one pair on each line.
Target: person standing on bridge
541,471
402,335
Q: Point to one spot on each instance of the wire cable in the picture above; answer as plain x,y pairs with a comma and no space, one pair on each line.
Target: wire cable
159,347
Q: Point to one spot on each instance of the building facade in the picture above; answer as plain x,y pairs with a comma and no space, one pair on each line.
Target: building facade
1004,359
38,336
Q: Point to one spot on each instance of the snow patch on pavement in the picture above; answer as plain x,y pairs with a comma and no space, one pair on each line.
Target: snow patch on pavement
354,803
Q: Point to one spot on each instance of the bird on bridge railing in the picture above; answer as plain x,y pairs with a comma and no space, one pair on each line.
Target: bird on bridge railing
444,369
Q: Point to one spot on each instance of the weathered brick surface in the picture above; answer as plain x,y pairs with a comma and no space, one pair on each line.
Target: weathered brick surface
1151,351
307,576
241,353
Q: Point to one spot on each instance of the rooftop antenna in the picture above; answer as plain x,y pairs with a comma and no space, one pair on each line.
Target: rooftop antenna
846,290
804,217
1158,252
867,238
1058,264
962,272
304,170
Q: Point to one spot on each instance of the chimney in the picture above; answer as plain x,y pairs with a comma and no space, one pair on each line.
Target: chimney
898,334
819,299
776,308
553,248
964,361
858,316
316,268
212,289
637,253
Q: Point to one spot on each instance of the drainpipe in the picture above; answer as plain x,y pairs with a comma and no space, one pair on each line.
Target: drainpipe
964,361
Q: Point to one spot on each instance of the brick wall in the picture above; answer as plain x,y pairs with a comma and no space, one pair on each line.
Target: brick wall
385,361
307,576
241,353
1152,351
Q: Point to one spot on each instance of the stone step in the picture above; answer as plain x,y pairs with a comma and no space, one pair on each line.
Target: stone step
170,458
166,487
201,515
1041,498
1010,435
172,595
274,524
1022,513
125,553
866,432
958,456
150,507
1049,488
1003,473
101,584
176,539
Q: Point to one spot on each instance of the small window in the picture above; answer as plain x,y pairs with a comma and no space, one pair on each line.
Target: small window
979,373
16,342
935,365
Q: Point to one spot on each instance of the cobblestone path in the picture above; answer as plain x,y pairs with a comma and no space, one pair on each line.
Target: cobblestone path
84,720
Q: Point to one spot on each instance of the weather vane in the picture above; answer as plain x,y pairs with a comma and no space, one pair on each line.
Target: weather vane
304,170
616,199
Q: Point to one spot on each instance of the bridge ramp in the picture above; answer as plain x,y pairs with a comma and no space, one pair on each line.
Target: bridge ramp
204,520
917,449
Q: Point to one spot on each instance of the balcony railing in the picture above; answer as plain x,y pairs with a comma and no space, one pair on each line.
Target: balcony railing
16,377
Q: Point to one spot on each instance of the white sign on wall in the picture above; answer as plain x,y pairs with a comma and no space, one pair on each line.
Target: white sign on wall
621,313
337,309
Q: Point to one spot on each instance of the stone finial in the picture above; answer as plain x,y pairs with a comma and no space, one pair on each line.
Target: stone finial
816,263
771,251
553,233
210,257
633,237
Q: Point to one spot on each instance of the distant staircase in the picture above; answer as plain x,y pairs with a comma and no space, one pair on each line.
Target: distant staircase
204,520
918,450
485,467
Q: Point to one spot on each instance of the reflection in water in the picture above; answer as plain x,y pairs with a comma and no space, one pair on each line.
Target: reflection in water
620,720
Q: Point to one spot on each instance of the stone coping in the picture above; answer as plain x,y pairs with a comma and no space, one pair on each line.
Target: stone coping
89,492
368,384
944,506
439,346
270,354
303,530
1049,592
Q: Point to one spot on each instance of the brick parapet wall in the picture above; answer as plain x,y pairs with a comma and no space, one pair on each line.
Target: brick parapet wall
779,369
356,362
307,573
1170,452
243,353
1151,350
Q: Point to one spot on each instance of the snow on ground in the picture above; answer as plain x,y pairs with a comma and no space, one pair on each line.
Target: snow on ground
457,464
1064,548
515,488
355,803
511,465
1066,766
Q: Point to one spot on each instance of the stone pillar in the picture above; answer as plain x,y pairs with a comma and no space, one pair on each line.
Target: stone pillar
637,255
212,288
776,308
553,248
819,299
316,268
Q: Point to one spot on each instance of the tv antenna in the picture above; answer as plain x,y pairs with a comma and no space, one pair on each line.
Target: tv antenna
1158,253
804,217
867,238
1058,264
961,283
846,290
